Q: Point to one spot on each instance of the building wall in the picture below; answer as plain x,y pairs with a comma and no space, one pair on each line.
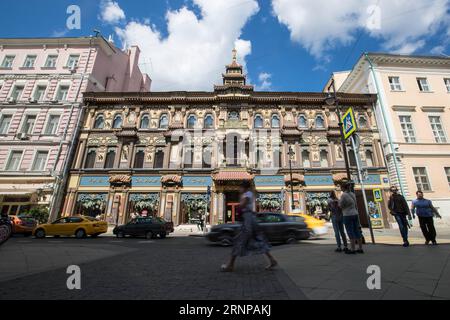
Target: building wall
178,180
410,101
95,61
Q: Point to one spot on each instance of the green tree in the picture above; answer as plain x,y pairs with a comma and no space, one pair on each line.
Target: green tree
40,213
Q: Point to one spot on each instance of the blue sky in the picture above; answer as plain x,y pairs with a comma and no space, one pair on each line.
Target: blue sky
286,45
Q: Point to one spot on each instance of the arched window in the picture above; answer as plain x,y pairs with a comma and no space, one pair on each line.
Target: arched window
145,122
90,158
259,122
305,159
191,122
362,122
302,122
369,158
117,123
324,159
209,122
320,123
110,158
164,122
275,121
99,122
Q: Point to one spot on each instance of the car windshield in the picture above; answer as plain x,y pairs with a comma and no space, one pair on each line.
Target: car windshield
91,219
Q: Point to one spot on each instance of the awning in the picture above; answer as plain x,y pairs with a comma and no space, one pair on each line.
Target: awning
233,176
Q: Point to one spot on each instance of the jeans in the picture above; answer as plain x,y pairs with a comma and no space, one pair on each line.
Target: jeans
353,227
338,226
403,225
428,230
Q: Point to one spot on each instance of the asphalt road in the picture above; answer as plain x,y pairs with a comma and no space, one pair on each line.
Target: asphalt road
173,268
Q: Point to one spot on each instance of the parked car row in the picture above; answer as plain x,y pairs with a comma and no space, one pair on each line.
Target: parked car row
83,226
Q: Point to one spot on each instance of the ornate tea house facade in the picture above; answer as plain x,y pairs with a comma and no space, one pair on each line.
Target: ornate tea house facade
158,153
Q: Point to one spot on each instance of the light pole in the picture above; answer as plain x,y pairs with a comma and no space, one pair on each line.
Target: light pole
332,100
291,154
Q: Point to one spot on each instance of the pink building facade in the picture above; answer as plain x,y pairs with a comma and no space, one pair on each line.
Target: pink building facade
42,82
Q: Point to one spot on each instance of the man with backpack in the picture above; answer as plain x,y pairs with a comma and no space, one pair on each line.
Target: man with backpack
400,210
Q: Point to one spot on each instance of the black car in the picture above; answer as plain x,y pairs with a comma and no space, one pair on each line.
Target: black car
276,227
148,227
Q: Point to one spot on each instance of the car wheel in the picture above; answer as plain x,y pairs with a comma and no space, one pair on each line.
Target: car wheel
80,234
291,238
225,240
149,235
40,233
162,235
120,234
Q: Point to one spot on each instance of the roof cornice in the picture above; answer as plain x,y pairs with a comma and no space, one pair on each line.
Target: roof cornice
190,98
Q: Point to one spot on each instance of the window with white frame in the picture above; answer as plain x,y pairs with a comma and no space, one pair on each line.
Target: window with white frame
438,129
421,177
28,124
52,124
394,82
39,161
5,121
447,84
29,61
423,84
407,129
63,92
447,173
8,61
14,161
72,62
51,61
17,91
39,93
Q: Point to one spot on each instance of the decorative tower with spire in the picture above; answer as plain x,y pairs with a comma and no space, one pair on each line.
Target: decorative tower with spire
234,76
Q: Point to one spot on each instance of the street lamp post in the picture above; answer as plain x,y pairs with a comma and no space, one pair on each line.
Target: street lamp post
291,154
331,100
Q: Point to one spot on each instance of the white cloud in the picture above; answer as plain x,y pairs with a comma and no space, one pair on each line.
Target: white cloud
111,12
265,82
401,25
196,49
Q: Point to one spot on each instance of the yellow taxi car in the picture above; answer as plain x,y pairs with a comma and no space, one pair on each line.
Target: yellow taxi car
78,226
318,227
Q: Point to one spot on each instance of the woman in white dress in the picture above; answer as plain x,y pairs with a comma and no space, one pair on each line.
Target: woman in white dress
249,240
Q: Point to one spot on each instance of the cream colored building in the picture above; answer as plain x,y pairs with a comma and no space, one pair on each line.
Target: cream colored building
413,114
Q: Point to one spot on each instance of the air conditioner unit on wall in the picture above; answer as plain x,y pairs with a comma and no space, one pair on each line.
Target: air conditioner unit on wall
22,136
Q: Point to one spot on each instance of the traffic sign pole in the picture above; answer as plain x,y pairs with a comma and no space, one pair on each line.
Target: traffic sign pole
361,181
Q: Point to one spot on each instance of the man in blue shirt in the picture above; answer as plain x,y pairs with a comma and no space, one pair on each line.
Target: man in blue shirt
425,210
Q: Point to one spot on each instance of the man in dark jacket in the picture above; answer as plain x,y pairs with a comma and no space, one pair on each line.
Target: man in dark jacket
400,210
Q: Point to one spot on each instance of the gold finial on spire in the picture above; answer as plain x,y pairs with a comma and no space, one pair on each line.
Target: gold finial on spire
234,55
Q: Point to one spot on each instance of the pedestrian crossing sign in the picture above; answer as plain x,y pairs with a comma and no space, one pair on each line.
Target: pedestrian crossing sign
377,195
349,123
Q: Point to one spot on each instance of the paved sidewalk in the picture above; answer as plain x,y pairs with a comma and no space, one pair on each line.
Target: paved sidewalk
417,272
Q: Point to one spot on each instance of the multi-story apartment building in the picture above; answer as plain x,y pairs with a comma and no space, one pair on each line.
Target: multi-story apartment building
157,153
41,86
413,114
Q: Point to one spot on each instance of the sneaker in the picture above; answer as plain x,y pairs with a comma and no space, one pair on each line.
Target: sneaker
435,243
345,249
360,251
338,250
350,252
406,244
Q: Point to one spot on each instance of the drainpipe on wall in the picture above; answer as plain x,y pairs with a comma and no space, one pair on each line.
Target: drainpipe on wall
388,131
61,178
